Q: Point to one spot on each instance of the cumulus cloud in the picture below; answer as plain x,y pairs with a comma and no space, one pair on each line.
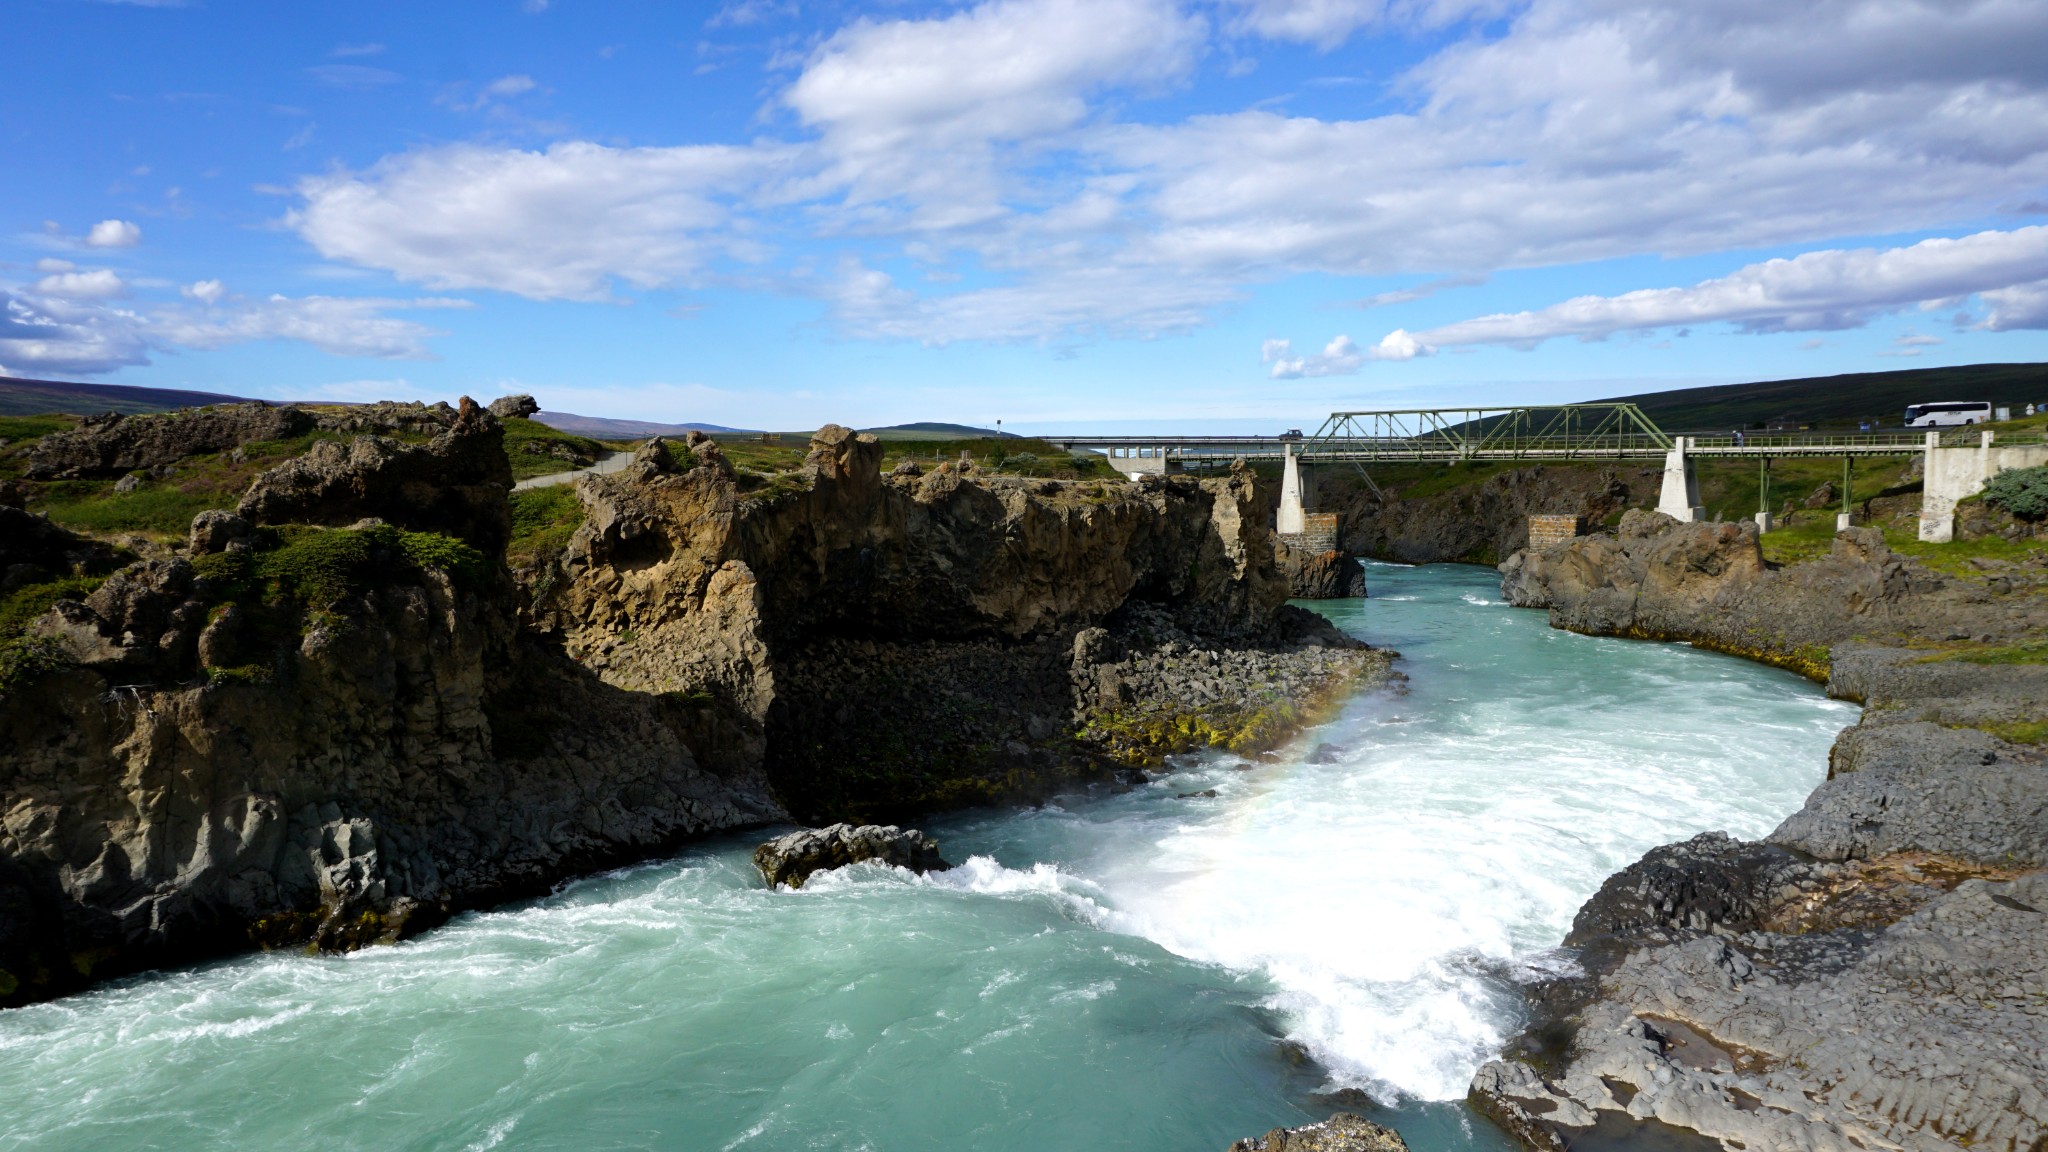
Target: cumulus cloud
2023,306
113,234
93,284
914,108
69,325
1546,132
559,224
1815,291
1340,357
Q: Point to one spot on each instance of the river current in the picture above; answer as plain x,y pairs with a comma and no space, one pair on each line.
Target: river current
1146,970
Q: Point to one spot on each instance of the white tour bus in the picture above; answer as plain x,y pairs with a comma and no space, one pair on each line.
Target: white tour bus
1947,412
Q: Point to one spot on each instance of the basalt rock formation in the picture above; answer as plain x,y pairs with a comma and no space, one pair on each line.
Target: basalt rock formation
333,716
793,858
1872,973
291,733
890,645
111,444
1327,575
1483,522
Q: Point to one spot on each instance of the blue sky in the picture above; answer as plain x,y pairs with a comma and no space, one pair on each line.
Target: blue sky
1059,213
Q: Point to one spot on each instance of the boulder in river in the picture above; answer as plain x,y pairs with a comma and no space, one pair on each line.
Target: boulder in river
1342,1132
791,859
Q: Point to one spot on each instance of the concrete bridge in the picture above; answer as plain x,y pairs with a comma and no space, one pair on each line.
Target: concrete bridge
1958,461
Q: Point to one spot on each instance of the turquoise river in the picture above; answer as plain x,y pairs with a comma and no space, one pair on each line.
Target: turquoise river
1339,924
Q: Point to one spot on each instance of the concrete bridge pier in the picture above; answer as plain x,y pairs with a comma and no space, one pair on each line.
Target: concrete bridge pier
1137,462
1680,499
1297,492
1950,475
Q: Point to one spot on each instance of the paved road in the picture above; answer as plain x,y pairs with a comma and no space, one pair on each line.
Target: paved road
615,462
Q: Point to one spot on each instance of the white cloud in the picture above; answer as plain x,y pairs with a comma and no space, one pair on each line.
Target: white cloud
916,108
2023,306
50,264
977,144
357,50
1340,357
1815,291
113,234
95,283
67,328
559,224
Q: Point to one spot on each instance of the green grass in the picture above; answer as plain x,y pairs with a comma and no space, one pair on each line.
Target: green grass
522,434
22,605
17,429
2034,652
543,520
94,506
1803,542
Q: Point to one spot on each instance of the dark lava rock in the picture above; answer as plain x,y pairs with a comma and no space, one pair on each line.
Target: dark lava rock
791,859
111,444
1342,1132
1330,575
517,406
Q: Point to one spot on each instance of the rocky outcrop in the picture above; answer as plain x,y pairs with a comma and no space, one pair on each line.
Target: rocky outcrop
1327,575
1868,975
291,734
1342,1132
332,716
387,418
454,484
111,444
891,645
1708,584
790,860
33,550
1480,522
519,406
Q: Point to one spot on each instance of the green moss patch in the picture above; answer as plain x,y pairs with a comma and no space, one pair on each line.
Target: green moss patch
543,520
315,567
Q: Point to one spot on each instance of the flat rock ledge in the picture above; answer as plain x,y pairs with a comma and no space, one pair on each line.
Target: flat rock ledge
791,859
1342,1132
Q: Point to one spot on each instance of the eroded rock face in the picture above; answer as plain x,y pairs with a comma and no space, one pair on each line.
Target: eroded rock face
454,484
793,858
891,645
109,445
1342,1132
1328,575
1869,975
1483,523
206,775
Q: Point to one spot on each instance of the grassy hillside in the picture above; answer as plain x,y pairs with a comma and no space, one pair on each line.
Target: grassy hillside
1838,401
19,397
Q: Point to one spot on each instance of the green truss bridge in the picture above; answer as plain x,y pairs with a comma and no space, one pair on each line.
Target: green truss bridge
1963,457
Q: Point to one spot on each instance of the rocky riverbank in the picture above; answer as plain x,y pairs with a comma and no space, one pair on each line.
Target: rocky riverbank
1872,973
331,715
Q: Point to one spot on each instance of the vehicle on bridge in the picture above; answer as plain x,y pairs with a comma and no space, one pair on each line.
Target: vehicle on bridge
1947,412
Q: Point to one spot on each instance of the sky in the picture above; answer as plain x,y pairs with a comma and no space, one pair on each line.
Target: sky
1062,214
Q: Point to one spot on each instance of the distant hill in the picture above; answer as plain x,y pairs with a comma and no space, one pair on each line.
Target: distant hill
932,430
605,428
1838,401
19,397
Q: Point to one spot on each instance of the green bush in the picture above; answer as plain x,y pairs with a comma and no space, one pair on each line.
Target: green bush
2020,491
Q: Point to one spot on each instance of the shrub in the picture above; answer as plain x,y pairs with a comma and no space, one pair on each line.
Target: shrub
2020,491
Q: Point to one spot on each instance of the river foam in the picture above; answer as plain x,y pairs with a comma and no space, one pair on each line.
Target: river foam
1108,970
